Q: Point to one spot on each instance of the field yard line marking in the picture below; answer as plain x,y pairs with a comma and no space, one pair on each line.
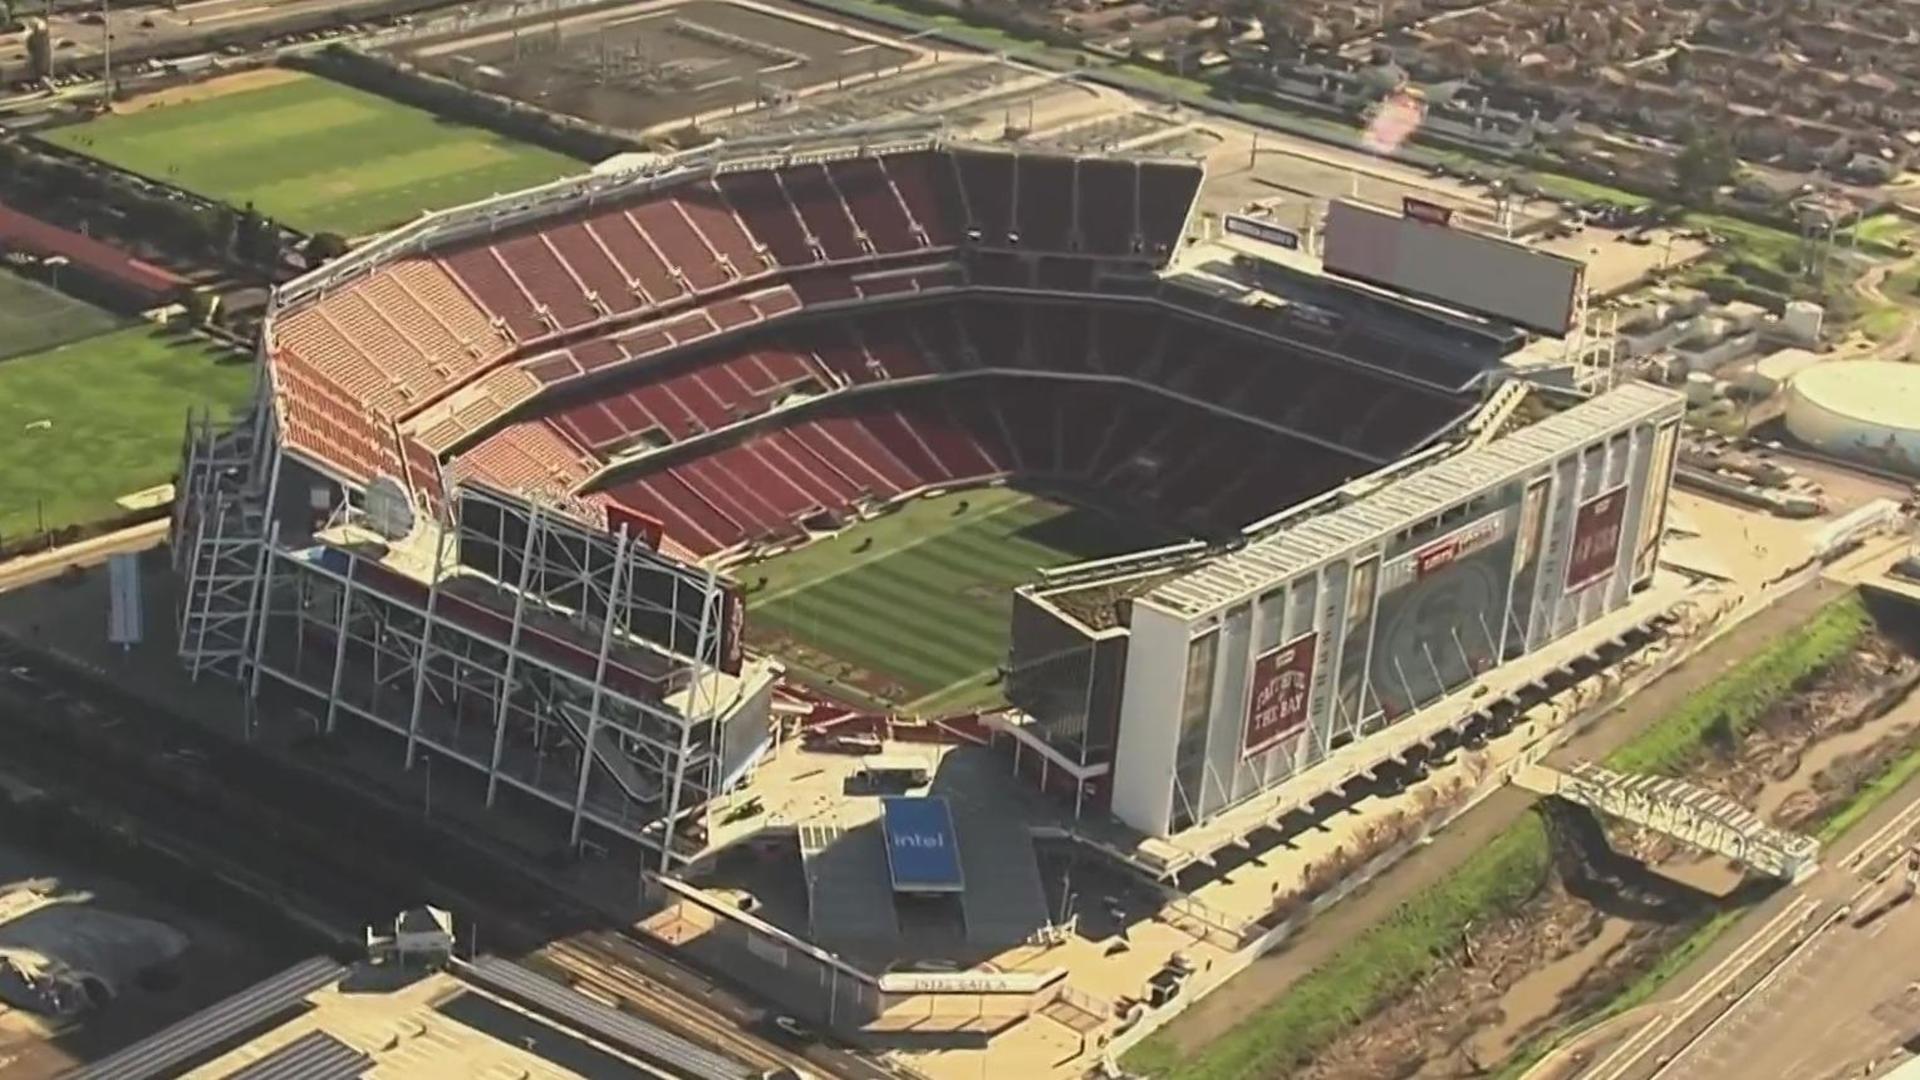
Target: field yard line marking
881,553
943,691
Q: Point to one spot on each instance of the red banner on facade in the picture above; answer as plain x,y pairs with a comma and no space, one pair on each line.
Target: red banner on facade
1278,705
1463,542
733,629
1429,212
1596,538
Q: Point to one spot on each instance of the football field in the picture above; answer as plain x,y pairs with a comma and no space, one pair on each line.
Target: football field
34,317
92,420
313,154
910,610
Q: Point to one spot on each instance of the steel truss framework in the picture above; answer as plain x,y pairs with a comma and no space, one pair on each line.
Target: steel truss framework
588,681
1687,813
217,536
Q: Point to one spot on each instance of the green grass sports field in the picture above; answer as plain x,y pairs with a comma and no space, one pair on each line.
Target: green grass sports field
33,317
316,155
911,609
116,408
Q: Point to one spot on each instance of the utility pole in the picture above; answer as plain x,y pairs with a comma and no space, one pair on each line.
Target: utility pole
106,54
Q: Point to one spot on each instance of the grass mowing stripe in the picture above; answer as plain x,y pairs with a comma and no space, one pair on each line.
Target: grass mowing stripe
116,403
871,624
907,527
282,147
857,619
926,604
994,551
34,317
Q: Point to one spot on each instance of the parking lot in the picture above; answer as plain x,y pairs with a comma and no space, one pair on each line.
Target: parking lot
641,68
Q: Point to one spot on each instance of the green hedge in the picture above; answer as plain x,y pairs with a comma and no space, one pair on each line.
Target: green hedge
1726,707
1373,969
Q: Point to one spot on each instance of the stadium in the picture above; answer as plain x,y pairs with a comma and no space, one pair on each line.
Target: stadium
586,487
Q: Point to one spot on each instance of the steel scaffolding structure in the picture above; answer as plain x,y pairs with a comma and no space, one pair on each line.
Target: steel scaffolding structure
218,535
585,670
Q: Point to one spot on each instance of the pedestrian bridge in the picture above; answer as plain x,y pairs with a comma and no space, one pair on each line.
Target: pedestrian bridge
1689,814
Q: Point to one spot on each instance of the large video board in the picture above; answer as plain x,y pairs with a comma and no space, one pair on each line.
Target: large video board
1467,270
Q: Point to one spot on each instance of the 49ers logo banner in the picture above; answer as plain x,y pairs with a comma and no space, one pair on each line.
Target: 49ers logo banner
1278,706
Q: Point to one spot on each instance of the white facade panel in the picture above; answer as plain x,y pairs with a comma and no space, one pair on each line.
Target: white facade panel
1222,705
1143,763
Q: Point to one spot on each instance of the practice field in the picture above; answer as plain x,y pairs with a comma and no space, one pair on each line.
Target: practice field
315,155
115,408
34,317
911,609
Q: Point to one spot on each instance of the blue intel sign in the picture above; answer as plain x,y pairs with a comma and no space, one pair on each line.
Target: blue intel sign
923,852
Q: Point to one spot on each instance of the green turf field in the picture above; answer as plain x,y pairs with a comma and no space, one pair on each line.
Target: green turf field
116,406
34,317
911,609
316,155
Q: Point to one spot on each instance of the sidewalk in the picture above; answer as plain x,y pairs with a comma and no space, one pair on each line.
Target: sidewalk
42,565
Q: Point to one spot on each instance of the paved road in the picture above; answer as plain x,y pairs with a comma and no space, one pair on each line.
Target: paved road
140,32
1797,992
1841,1006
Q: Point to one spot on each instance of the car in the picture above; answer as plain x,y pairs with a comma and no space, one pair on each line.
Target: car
791,1030
845,744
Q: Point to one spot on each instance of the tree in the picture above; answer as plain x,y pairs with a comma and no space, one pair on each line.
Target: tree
326,246
256,239
1703,165
226,229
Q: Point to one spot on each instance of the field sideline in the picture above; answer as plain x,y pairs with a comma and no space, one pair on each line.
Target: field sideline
115,407
33,317
315,155
911,609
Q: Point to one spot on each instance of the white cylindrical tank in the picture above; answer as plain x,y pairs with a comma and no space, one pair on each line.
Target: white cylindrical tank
1861,408
1802,321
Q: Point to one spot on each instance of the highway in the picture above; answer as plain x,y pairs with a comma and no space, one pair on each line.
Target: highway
1841,1004
1807,994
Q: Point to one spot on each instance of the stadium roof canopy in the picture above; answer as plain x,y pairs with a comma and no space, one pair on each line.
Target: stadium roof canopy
1274,559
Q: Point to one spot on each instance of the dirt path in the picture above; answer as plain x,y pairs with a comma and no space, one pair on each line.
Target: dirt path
1271,975
220,86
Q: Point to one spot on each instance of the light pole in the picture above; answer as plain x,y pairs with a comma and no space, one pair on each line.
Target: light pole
106,55
39,501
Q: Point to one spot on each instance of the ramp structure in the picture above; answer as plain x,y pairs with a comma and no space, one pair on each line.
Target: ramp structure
1690,814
